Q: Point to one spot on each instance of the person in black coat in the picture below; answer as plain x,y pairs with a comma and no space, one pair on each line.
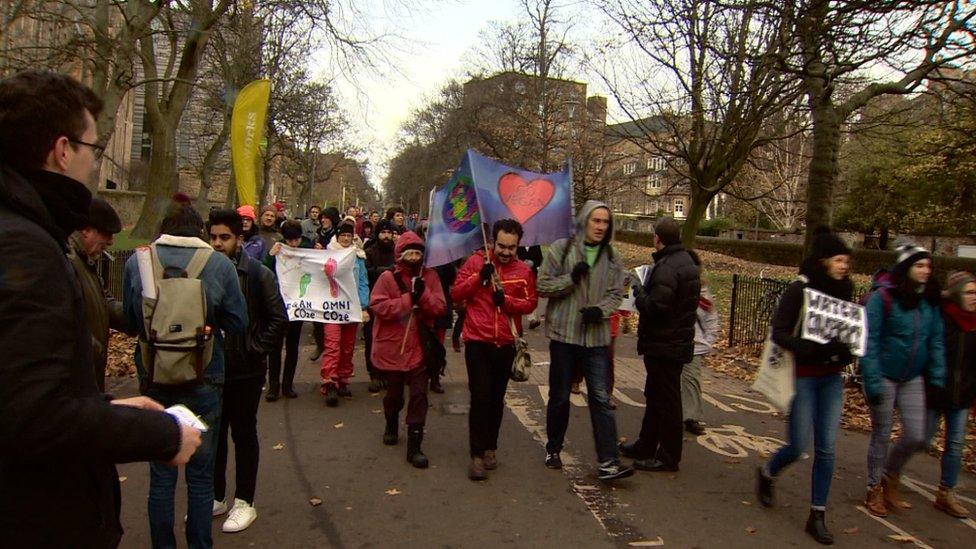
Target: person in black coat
379,259
668,307
245,360
60,438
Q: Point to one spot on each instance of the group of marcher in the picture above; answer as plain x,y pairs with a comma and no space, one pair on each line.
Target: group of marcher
61,434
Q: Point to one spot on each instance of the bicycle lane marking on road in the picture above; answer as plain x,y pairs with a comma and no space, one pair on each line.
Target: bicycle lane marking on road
933,488
598,499
912,485
895,529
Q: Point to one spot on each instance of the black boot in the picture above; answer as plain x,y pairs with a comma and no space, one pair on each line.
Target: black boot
415,436
764,488
391,436
817,528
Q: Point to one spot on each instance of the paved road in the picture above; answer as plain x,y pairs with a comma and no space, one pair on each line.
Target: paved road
372,498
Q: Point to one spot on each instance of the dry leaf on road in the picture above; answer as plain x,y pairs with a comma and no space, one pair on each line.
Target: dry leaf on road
853,530
901,538
751,529
393,492
339,425
278,446
315,502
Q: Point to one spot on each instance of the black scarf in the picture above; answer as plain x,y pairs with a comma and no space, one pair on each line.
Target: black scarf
814,270
67,201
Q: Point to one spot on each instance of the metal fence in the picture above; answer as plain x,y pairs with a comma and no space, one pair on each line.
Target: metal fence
754,300
112,270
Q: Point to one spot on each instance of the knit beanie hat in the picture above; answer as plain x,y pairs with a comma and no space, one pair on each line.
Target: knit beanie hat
908,254
385,225
346,227
102,216
827,244
269,208
955,283
246,211
291,229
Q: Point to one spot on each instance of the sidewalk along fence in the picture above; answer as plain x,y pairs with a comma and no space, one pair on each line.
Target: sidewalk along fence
112,271
754,301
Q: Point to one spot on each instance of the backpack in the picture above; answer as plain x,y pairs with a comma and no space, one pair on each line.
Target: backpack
177,343
881,282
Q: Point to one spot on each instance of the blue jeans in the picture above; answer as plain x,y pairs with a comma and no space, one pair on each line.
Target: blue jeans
816,406
955,440
204,401
563,358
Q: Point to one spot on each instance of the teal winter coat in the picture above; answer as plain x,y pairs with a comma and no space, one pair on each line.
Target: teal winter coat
903,344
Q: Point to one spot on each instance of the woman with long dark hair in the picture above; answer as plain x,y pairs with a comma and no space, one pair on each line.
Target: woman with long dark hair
906,352
819,396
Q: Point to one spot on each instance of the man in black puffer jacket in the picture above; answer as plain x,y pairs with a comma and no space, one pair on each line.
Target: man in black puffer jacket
246,358
668,304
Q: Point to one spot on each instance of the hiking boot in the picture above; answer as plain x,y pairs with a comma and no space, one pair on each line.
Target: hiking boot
764,488
374,385
613,470
817,528
331,396
391,436
553,461
415,437
491,462
272,395
241,517
476,471
874,502
946,502
889,483
696,428
435,386
345,392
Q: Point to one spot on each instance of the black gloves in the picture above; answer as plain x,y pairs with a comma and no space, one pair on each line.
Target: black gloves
579,271
486,271
498,296
591,315
837,352
418,288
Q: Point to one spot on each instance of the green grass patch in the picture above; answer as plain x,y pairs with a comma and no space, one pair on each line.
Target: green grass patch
125,241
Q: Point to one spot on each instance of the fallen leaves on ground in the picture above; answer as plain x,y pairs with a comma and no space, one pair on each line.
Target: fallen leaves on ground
315,502
278,446
852,530
393,492
121,361
123,479
901,538
751,529
339,425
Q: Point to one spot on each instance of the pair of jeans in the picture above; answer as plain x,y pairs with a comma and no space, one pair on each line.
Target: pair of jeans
578,374
661,429
489,368
691,391
340,344
240,417
955,439
204,401
416,380
563,358
816,406
275,378
909,398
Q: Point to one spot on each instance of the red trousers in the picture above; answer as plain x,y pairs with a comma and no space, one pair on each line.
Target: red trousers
340,343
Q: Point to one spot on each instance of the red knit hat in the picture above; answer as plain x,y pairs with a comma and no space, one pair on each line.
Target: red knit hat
247,211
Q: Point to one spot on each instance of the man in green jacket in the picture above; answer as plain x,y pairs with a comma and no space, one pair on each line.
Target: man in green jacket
583,279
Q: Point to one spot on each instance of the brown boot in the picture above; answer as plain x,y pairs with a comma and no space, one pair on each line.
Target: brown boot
874,502
491,462
946,501
890,485
476,471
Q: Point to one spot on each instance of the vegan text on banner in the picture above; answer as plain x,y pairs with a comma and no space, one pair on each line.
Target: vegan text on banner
246,135
319,285
453,229
542,203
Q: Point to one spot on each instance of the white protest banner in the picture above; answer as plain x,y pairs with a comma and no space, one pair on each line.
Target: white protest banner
628,303
319,285
825,318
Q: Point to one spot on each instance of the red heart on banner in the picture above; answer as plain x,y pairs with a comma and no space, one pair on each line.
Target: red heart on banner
524,198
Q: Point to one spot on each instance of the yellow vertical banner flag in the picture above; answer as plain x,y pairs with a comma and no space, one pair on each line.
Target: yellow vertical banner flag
246,134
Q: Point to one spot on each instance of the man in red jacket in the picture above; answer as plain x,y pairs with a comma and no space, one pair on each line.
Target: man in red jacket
497,292
404,301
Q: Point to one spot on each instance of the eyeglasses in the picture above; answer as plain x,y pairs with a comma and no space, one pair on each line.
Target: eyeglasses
98,148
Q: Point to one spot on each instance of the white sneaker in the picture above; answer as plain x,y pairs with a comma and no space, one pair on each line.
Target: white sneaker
219,508
241,516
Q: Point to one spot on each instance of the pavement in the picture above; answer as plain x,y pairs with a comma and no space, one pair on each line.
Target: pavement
371,497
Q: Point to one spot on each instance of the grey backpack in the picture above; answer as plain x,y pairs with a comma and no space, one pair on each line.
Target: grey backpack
177,343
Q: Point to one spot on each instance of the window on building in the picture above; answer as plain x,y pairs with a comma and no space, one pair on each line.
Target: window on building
679,207
571,111
630,168
653,182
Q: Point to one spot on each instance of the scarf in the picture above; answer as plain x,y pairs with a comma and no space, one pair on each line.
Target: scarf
356,243
66,200
964,319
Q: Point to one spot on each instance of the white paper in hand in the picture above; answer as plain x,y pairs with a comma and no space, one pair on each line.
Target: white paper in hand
186,417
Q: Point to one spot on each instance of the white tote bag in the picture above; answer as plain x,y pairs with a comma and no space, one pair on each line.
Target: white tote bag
776,375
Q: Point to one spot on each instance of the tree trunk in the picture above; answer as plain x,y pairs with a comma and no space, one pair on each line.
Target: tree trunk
696,213
163,180
823,166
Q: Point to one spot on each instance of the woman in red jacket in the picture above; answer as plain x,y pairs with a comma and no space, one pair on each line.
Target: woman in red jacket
408,295
496,293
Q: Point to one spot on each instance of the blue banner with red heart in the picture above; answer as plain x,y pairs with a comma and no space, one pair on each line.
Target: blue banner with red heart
482,189
542,203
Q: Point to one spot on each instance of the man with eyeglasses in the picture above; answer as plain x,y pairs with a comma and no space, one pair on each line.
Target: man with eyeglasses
60,438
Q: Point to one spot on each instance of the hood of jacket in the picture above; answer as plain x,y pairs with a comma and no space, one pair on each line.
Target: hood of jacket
406,239
584,214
